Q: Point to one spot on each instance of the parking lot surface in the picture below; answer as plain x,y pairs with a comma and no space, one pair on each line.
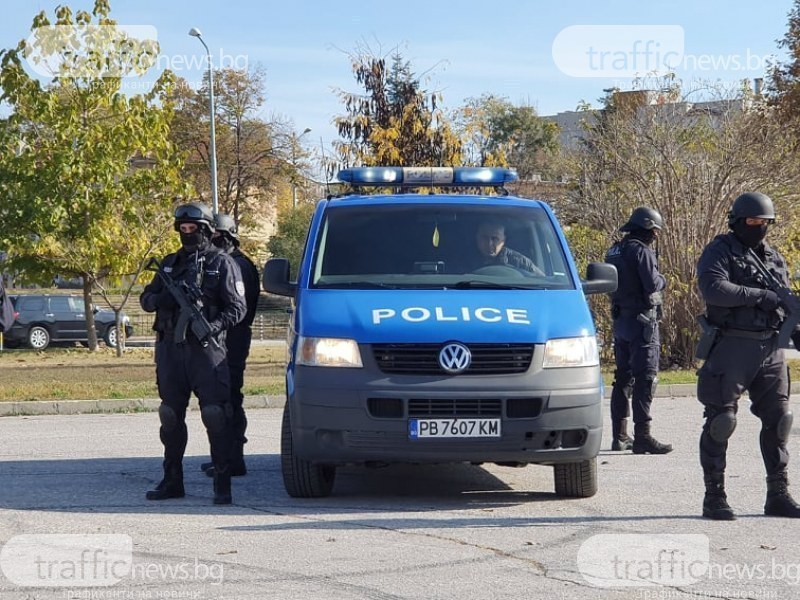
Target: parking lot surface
73,490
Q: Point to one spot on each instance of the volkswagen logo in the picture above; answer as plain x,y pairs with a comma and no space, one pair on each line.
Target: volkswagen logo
455,358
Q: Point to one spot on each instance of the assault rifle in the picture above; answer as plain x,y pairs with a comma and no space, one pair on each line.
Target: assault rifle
188,297
789,301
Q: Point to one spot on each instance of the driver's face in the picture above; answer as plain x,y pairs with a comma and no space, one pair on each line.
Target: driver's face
491,239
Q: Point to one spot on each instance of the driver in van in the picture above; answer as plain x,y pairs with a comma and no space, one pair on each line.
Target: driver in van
491,240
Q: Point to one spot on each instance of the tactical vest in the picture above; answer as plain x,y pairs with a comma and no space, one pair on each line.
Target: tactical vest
206,274
743,272
630,294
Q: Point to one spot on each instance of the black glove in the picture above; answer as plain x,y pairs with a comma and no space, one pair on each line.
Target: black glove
216,327
769,301
165,300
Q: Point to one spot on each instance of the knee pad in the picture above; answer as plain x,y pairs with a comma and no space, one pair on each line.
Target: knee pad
168,417
722,425
214,418
784,427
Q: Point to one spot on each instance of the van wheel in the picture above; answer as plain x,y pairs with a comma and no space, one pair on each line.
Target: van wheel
576,480
38,337
302,478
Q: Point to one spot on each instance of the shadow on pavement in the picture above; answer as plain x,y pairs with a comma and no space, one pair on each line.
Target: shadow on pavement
118,485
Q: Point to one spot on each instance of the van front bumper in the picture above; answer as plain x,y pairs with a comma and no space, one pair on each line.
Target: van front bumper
342,416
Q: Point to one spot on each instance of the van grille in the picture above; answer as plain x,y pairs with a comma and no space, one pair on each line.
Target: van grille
423,359
455,407
516,408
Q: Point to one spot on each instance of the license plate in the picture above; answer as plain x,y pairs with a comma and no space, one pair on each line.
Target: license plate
453,428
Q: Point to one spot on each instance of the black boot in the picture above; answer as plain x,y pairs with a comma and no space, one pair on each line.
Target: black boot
621,439
644,443
779,502
222,488
715,503
169,487
238,468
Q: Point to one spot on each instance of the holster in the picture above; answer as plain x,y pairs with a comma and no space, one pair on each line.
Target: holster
709,334
649,319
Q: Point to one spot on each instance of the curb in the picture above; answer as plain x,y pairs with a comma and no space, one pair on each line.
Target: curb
76,407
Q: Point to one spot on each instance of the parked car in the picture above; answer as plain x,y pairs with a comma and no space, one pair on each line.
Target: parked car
44,318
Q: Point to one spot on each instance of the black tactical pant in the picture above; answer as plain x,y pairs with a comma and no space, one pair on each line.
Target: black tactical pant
737,364
238,342
637,351
180,370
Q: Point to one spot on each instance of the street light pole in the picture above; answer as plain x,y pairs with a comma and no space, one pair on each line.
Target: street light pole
295,141
194,32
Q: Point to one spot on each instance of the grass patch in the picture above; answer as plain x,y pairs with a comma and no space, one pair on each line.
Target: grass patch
690,375
78,374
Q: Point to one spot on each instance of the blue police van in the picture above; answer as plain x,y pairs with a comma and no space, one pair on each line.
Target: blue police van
438,327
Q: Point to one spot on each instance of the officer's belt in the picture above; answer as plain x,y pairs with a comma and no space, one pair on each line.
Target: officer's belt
753,335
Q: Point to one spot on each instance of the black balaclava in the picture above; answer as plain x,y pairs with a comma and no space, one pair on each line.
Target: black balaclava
223,242
644,235
750,235
196,240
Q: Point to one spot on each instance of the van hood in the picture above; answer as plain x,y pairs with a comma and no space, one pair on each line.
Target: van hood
433,316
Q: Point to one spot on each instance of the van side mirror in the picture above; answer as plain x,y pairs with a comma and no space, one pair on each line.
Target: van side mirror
276,277
601,278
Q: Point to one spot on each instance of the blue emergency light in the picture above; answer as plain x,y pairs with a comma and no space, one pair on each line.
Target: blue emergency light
428,176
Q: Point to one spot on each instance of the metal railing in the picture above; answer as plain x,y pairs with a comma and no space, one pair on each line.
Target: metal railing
266,326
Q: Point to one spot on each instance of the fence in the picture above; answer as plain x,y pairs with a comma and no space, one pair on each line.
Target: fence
270,325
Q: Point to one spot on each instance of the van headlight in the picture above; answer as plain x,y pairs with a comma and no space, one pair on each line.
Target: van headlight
571,352
327,352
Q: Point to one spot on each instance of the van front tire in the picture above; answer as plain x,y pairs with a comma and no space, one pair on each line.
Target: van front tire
302,478
576,480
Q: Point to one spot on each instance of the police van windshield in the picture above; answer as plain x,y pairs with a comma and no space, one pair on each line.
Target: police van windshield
416,246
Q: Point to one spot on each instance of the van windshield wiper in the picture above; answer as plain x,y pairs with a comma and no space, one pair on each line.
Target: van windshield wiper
487,285
366,285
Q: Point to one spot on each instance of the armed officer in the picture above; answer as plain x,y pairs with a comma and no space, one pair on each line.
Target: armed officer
195,365
635,308
226,238
744,355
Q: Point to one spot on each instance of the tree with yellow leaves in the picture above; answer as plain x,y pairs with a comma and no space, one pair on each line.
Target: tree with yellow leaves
395,121
74,198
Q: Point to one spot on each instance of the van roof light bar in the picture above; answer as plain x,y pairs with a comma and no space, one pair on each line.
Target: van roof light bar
428,176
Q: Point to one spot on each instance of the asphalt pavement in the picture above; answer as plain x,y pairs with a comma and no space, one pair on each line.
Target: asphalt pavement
72,510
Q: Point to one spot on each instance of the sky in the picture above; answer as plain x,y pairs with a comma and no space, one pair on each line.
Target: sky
550,55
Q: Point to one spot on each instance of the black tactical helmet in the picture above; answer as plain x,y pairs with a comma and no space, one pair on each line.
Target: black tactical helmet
225,223
194,212
751,204
643,218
